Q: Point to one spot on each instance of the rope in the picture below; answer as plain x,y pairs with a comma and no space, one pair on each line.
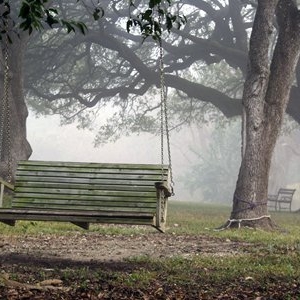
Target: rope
252,205
239,221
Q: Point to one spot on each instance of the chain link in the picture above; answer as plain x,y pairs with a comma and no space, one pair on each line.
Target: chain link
164,115
5,133
2,113
162,87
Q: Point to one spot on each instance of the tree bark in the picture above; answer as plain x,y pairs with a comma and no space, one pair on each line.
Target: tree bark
14,142
265,98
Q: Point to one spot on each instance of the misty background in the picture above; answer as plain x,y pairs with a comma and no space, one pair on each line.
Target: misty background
205,160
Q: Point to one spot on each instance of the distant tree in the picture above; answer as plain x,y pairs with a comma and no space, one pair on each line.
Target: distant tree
215,166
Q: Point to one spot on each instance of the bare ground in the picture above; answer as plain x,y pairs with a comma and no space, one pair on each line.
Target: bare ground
26,261
92,246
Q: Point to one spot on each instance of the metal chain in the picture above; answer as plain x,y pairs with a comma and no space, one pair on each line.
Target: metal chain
5,116
161,68
164,115
2,114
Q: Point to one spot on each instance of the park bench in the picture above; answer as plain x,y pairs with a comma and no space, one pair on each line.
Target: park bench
282,200
84,193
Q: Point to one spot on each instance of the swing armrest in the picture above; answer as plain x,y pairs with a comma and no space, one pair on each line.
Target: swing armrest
7,184
4,184
162,185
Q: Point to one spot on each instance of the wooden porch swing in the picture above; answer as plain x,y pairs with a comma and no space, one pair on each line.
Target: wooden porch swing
84,193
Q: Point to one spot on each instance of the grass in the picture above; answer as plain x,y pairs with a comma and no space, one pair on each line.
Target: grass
269,268
200,219
183,218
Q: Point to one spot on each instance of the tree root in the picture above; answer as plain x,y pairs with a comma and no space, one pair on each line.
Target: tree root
264,223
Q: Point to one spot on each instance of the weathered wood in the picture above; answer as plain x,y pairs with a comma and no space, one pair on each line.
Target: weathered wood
75,217
7,184
1,194
84,193
163,192
4,184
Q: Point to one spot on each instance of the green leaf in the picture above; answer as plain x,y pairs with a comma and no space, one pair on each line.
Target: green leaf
153,3
147,15
129,25
98,13
50,20
54,11
24,11
82,27
68,26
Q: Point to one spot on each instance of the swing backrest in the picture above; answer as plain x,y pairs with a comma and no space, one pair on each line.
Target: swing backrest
88,186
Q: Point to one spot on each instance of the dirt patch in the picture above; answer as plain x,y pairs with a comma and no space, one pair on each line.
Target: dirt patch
93,246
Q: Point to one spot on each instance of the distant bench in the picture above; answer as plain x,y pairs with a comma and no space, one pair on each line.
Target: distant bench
282,200
84,193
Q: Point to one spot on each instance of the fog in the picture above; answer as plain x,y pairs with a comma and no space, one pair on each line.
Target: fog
50,141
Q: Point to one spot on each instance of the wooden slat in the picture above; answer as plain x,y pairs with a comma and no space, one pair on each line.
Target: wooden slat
87,186
22,180
34,215
84,193
94,193
79,170
7,211
88,199
90,165
97,206
98,176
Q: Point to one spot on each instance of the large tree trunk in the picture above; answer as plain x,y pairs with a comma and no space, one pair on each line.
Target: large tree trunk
14,142
266,93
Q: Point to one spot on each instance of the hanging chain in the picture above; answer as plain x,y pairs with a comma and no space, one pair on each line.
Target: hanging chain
164,115
162,87
5,116
2,112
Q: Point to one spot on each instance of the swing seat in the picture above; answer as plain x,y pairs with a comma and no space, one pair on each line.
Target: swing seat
84,193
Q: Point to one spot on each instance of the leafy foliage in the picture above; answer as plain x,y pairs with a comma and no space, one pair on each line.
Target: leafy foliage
152,21
35,14
4,17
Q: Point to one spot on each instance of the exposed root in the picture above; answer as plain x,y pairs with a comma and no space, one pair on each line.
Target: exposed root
264,222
